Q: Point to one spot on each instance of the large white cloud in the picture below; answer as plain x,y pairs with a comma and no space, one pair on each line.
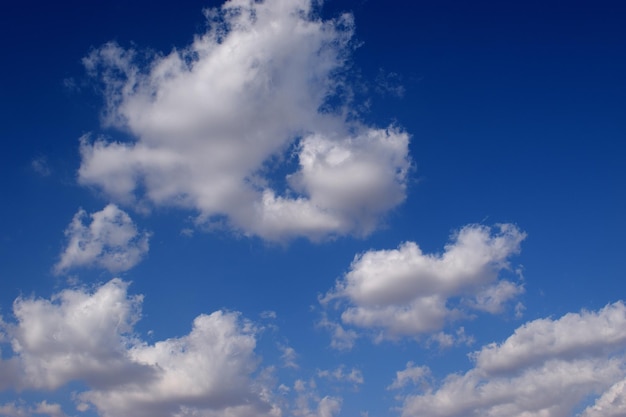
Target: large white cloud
111,241
406,292
217,124
547,368
87,336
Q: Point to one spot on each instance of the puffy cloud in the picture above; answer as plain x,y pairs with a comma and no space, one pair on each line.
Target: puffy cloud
215,126
575,334
75,336
406,292
545,369
111,241
85,336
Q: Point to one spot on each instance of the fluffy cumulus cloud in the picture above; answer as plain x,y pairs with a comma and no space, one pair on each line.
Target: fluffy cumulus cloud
110,241
405,292
87,336
547,368
247,127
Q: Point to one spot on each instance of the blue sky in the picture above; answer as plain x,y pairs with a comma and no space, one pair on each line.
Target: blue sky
281,208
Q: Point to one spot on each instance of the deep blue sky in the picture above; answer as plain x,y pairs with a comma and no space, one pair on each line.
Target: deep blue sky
516,113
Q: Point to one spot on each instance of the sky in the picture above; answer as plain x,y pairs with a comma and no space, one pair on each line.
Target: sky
296,208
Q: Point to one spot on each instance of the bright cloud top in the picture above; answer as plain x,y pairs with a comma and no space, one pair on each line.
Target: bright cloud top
406,292
217,124
545,369
111,241
88,336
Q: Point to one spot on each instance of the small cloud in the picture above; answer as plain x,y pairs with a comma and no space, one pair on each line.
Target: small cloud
268,314
355,376
187,232
40,166
111,241
288,357
389,83
411,375
71,85
341,339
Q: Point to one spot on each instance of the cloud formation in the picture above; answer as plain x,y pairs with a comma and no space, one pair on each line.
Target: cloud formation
245,126
21,410
404,292
111,241
87,336
545,369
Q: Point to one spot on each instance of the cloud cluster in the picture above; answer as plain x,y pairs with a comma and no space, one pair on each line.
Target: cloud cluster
111,241
310,404
545,369
86,336
404,292
217,128
21,410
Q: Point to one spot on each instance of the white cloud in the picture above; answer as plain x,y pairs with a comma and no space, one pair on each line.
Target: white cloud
547,368
446,340
310,404
88,336
406,292
111,241
354,377
288,356
207,372
75,335
22,410
611,404
215,125
575,334
341,339
413,375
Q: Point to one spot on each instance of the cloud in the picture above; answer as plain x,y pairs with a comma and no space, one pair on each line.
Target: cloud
354,377
22,410
87,336
245,126
111,241
411,375
310,404
341,339
575,334
611,404
404,292
74,336
41,166
288,356
546,368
